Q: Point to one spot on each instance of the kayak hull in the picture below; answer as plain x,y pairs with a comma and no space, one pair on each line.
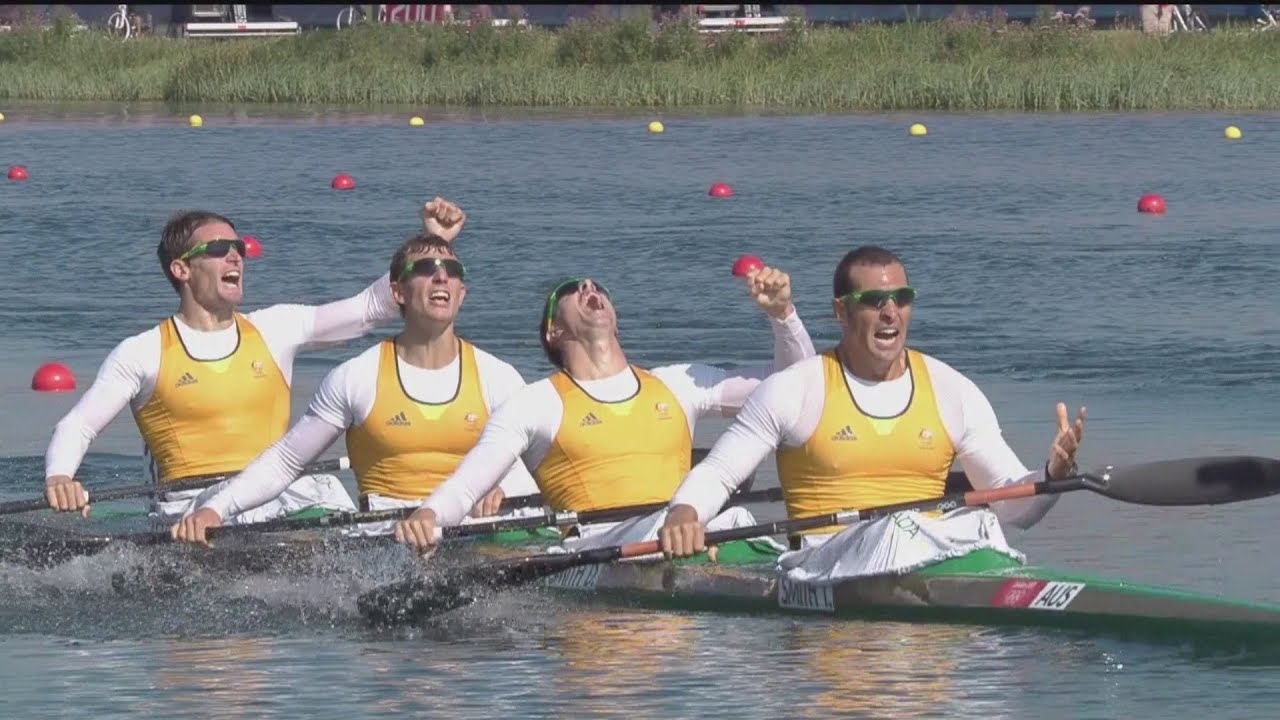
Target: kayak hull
984,588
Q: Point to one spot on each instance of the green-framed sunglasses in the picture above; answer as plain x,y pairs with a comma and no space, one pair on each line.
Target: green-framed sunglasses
426,267
562,290
877,298
214,248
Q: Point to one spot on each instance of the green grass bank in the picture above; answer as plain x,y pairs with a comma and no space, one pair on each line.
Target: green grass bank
943,66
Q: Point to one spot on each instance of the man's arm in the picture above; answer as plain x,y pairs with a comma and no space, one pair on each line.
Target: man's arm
771,290
271,473
311,326
769,416
502,381
332,410
509,432
355,316
989,462
791,341
127,369
722,392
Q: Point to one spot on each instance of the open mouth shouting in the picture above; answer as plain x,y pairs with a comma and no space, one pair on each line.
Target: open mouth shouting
592,300
439,297
886,338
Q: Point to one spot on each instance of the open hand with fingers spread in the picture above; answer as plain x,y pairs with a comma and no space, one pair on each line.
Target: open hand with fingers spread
1062,452
443,218
771,289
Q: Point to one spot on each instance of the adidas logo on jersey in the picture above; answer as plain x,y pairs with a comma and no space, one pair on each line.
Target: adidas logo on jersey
399,419
186,379
845,433
589,419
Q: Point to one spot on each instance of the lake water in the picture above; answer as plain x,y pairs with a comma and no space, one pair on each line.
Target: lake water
1038,279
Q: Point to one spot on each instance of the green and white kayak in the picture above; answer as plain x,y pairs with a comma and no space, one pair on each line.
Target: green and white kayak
982,588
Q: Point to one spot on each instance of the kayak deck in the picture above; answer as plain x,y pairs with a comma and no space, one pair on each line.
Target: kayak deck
983,588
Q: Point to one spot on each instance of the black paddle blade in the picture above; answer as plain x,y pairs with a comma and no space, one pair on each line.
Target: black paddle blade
413,601
410,602
1190,481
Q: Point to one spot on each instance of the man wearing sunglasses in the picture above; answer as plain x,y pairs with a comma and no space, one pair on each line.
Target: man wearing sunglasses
602,433
209,387
411,406
868,423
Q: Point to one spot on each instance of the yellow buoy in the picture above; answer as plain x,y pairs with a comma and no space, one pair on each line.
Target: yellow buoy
656,127
196,121
918,130
1,117
416,121
1232,132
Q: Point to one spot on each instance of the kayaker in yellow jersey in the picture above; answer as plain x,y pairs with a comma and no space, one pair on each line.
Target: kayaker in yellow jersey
209,386
603,433
868,423
411,406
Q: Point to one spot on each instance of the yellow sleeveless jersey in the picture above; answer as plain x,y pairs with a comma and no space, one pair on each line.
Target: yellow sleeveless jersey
213,416
406,448
854,460
613,454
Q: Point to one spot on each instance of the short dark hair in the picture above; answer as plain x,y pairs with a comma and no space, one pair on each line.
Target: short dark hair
175,238
420,243
842,284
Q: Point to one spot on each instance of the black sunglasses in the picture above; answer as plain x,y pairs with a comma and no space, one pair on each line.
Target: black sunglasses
214,249
901,297
427,267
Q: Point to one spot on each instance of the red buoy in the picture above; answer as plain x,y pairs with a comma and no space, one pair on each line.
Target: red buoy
746,264
1151,203
53,377
343,181
720,190
18,173
252,248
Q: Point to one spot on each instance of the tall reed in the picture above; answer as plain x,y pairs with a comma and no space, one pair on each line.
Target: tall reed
961,66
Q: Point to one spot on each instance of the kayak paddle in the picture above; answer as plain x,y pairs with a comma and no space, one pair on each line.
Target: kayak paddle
550,518
1189,481
339,519
190,483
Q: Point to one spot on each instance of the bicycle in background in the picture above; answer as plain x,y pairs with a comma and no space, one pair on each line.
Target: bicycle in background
1187,19
354,14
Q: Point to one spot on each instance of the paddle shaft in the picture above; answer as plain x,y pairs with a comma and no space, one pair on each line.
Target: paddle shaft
946,503
533,567
196,482
957,481
550,518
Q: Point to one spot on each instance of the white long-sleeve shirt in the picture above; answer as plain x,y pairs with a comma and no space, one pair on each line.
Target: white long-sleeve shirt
526,425
344,400
128,375
785,410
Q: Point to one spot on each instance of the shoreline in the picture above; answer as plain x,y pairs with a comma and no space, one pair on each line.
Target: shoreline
31,114
622,69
